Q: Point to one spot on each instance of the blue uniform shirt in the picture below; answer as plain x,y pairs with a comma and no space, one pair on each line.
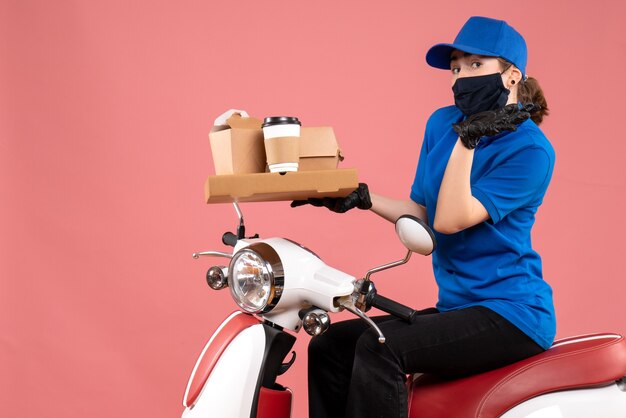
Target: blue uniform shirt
492,264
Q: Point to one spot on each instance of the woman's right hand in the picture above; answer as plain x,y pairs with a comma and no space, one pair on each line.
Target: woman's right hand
360,198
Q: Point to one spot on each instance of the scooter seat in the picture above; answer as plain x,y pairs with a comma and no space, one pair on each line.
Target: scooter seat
574,362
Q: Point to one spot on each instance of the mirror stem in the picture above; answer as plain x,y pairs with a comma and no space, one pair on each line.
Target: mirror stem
388,266
360,302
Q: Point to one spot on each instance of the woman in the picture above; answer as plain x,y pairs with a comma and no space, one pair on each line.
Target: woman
482,173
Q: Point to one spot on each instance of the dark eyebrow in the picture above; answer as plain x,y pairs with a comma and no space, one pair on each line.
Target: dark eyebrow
465,54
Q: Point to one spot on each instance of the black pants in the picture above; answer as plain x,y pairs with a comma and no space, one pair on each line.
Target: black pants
352,375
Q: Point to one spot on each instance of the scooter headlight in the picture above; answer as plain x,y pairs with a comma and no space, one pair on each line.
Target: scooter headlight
256,278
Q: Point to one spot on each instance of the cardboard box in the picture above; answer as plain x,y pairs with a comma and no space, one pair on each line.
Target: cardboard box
238,147
319,149
297,185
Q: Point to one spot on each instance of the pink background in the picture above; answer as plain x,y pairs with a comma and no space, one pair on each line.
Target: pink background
104,113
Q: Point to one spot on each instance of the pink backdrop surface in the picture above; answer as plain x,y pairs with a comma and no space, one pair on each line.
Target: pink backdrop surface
104,113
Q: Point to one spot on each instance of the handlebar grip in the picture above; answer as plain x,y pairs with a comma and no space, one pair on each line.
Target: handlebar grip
392,307
229,239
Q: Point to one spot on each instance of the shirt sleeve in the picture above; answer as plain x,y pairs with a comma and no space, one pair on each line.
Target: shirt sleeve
417,189
514,183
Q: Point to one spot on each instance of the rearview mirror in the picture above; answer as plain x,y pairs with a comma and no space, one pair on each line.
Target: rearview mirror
415,234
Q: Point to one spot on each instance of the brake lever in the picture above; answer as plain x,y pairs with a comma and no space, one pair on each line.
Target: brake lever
212,254
349,306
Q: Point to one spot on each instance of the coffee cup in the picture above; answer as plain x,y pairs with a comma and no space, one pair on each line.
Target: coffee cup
282,143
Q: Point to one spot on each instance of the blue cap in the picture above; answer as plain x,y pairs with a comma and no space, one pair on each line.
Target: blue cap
483,36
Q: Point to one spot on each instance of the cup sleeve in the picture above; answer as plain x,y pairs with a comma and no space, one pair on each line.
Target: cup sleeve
514,183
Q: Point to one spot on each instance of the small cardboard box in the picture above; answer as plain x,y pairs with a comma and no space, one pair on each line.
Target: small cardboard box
263,187
237,147
318,149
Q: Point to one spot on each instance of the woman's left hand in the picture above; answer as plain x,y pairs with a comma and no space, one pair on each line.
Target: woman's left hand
491,122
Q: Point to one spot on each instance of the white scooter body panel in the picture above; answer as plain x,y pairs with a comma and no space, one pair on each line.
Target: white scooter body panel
229,390
309,279
605,402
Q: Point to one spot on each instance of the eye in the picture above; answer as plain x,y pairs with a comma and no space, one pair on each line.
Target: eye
476,64
455,70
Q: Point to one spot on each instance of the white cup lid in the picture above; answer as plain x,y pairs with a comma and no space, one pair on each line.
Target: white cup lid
275,168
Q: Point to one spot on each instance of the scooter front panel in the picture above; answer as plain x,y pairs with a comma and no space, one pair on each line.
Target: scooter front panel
230,389
221,338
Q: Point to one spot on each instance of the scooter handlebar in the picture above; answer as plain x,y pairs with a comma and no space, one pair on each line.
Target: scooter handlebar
392,307
229,239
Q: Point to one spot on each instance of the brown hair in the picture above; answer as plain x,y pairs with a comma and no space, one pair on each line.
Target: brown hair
529,91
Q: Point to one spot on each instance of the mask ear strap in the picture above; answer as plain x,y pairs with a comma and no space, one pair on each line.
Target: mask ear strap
506,69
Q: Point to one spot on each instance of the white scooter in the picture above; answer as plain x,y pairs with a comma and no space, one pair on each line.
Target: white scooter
282,286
